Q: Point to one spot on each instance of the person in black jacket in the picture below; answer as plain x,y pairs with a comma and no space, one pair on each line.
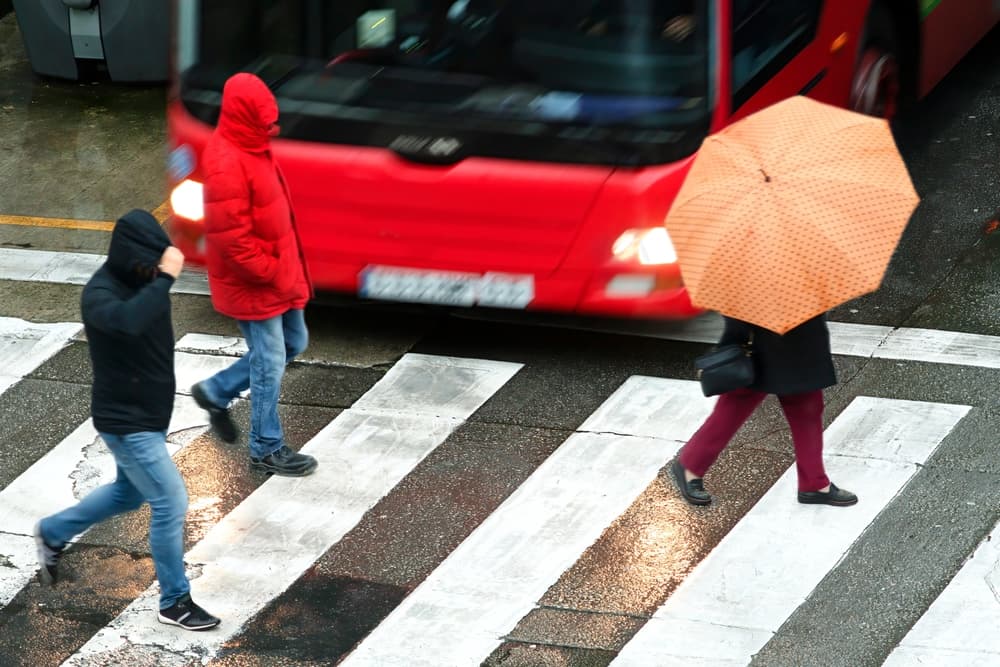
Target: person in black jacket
796,366
126,314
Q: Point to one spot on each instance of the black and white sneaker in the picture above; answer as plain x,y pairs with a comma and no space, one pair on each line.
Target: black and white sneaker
186,614
48,558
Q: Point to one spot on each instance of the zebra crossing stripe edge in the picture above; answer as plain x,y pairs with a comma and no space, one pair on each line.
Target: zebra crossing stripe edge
260,548
734,601
460,613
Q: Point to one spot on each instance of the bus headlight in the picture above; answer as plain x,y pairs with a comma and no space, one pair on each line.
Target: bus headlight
187,200
647,246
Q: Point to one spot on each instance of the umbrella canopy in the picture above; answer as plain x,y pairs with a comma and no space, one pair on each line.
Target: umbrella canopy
789,212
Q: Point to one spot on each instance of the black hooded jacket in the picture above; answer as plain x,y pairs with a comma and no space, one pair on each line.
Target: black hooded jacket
126,313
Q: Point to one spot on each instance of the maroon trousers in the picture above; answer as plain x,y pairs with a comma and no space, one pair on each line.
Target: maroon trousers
804,413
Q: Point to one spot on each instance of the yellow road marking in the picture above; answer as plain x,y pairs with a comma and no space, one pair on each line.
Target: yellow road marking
63,223
161,213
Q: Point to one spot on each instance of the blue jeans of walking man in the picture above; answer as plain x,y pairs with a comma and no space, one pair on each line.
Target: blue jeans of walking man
146,473
272,344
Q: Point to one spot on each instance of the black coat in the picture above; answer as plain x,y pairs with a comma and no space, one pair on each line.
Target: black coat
130,335
798,362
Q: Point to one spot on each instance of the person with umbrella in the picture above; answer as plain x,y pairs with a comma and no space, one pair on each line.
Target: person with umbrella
784,215
796,367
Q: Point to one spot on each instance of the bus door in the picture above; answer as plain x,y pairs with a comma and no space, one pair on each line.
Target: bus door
775,54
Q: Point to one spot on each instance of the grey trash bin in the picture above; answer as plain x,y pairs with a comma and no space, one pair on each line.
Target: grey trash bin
131,37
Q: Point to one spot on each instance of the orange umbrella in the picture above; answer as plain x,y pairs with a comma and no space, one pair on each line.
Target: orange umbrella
790,212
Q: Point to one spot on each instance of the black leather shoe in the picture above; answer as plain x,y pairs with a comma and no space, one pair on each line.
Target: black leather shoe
835,497
286,462
693,491
219,418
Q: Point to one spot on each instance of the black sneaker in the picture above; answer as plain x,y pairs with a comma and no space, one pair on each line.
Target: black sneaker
48,558
186,614
285,462
218,417
834,497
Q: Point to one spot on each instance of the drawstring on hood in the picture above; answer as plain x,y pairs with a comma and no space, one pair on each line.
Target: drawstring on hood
137,243
249,110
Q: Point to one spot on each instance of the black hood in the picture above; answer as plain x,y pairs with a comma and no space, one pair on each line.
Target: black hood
137,243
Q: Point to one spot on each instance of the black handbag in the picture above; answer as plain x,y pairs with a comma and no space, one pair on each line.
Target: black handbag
726,368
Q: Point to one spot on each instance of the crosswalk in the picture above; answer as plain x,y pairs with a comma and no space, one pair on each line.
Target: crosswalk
494,577
472,599
731,605
79,463
956,630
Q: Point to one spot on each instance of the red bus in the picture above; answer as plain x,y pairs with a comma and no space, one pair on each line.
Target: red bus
523,153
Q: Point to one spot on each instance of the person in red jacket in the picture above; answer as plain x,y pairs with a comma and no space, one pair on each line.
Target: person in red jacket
256,272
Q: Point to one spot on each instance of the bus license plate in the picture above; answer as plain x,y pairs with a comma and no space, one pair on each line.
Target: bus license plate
447,288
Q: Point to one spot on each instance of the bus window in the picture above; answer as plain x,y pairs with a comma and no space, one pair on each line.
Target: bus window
766,36
275,26
621,82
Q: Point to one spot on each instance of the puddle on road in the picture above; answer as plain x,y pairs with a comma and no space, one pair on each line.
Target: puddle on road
82,150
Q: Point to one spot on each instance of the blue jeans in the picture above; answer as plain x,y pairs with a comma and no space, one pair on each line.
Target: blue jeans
146,473
272,344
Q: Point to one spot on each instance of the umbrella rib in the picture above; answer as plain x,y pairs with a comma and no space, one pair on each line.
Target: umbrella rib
869,188
792,147
792,177
723,185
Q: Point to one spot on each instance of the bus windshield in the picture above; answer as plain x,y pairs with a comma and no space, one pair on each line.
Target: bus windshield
618,82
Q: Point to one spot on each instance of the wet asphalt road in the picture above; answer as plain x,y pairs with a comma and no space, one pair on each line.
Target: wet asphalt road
91,151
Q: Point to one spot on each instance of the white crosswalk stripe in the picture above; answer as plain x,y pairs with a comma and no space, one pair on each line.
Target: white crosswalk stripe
466,608
735,600
951,632
25,346
262,547
76,466
848,339
70,268
461,612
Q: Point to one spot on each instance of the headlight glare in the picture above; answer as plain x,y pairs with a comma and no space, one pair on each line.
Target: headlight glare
646,246
187,200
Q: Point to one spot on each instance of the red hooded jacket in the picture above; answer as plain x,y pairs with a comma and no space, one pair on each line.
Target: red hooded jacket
255,266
